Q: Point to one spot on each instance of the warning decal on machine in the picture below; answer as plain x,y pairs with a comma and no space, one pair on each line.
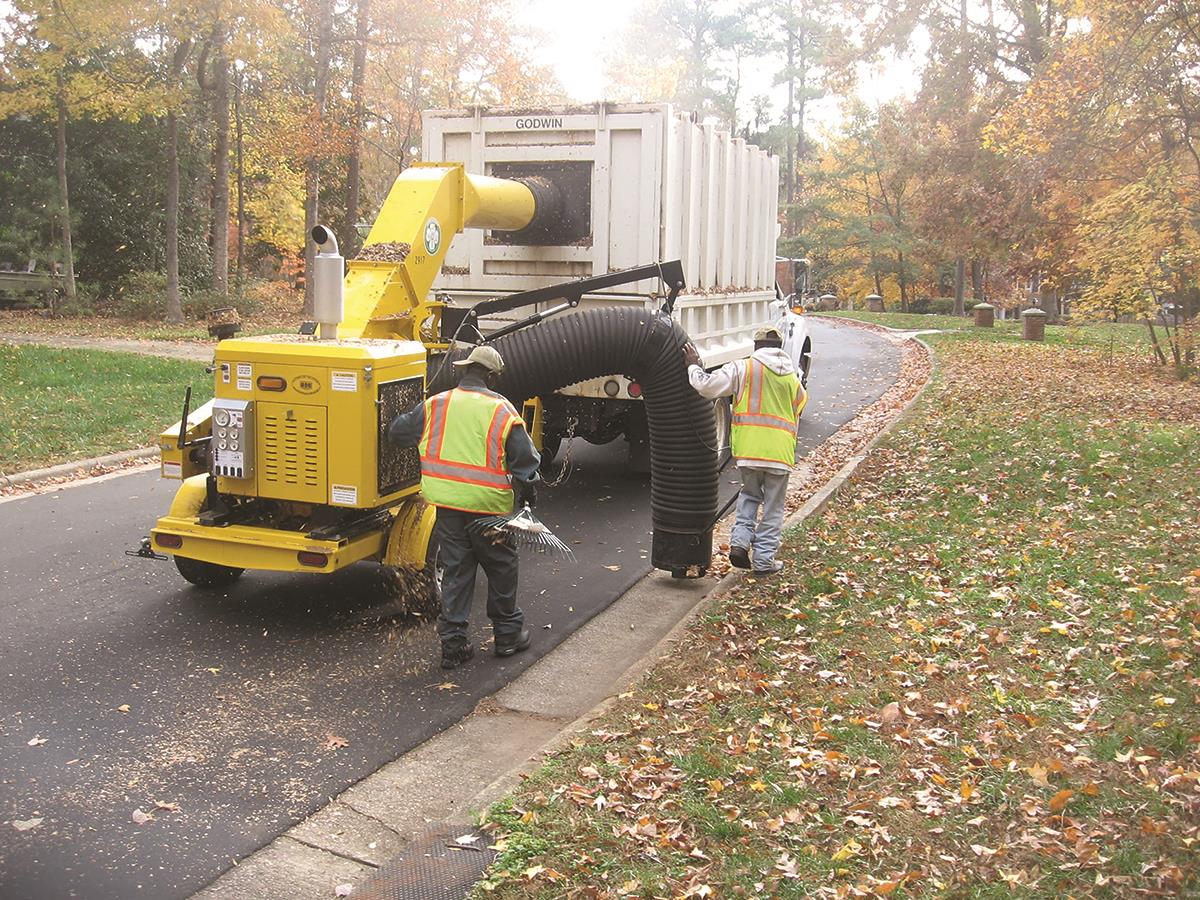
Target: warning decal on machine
172,470
343,494
343,381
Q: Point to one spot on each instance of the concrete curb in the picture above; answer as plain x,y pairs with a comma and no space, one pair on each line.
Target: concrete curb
80,467
452,776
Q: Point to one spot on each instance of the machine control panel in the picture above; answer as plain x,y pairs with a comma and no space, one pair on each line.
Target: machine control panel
233,438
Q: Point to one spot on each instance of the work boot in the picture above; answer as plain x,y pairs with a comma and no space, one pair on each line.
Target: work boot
455,653
739,557
509,646
774,569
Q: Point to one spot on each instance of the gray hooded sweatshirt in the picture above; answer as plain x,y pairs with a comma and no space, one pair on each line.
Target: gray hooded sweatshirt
727,382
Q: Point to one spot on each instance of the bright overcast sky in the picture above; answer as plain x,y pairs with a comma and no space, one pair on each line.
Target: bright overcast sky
577,35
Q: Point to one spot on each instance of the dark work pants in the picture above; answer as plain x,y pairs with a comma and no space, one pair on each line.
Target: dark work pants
461,551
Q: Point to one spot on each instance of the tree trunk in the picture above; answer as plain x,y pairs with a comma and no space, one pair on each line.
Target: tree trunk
1050,306
789,175
220,205
977,290
312,169
903,281
960,283
174,307
240,177
362,28
63,193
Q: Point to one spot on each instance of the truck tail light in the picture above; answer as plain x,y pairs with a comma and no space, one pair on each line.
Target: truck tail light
635,390
171,541
309,558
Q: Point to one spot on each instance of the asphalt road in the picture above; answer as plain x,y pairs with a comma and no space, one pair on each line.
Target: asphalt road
122,688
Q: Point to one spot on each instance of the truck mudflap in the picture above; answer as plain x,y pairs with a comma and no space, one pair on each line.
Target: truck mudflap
253,547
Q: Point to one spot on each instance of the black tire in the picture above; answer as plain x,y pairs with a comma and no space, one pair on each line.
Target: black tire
723,409
805,363
206,574
432,576
550,446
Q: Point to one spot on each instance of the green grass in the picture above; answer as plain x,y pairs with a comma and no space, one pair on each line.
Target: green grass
1077,333
63,405
1016,565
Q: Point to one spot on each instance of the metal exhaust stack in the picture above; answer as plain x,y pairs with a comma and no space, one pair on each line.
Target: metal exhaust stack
328,284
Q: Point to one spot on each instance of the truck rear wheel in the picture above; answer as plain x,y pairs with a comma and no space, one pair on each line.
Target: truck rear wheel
723,411
206,574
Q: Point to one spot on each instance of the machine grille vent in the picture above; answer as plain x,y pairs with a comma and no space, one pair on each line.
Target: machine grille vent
291,451
399,467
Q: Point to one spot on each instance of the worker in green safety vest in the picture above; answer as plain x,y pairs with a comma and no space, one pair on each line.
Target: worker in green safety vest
767,401
475,456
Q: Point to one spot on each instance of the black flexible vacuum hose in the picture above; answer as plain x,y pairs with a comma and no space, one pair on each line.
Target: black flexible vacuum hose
645,346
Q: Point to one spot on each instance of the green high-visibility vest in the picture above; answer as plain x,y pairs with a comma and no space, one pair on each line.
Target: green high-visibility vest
463,464
765,413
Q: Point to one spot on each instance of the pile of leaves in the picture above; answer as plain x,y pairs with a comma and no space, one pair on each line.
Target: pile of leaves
977,675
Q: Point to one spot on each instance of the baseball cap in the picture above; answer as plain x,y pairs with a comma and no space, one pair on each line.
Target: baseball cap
488,357
768,334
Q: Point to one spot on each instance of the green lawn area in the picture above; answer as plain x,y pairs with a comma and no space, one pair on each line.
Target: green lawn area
63,405
976,678
1076,333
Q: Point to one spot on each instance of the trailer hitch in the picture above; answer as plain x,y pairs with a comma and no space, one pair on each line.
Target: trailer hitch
145,551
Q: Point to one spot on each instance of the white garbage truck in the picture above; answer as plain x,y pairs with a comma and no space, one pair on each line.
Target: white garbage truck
636,183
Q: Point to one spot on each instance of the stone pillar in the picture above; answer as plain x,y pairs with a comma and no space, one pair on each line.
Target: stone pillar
1034,325
985,315
827,302
874,303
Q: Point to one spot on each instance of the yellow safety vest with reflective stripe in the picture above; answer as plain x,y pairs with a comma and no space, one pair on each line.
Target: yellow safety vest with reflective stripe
765,413
463,465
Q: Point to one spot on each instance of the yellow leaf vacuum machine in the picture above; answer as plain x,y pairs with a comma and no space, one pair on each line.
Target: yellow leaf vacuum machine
288,467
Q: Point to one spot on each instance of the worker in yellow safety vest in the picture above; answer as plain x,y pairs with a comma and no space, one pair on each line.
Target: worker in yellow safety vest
475,456
767,401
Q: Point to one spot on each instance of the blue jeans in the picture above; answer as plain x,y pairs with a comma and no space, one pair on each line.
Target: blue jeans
766,488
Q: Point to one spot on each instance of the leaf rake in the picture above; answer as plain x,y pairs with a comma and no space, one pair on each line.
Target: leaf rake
526,529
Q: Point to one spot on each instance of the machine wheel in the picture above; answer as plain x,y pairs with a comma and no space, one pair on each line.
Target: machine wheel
431,575
206,574
550,446
723,410
805,363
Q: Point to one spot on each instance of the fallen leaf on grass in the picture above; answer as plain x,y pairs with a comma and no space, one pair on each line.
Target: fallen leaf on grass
1059,800
1040,774
335,742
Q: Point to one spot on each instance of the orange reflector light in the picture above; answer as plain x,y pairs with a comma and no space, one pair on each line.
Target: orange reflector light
172,541
798,310
271,383
316,560
635,389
